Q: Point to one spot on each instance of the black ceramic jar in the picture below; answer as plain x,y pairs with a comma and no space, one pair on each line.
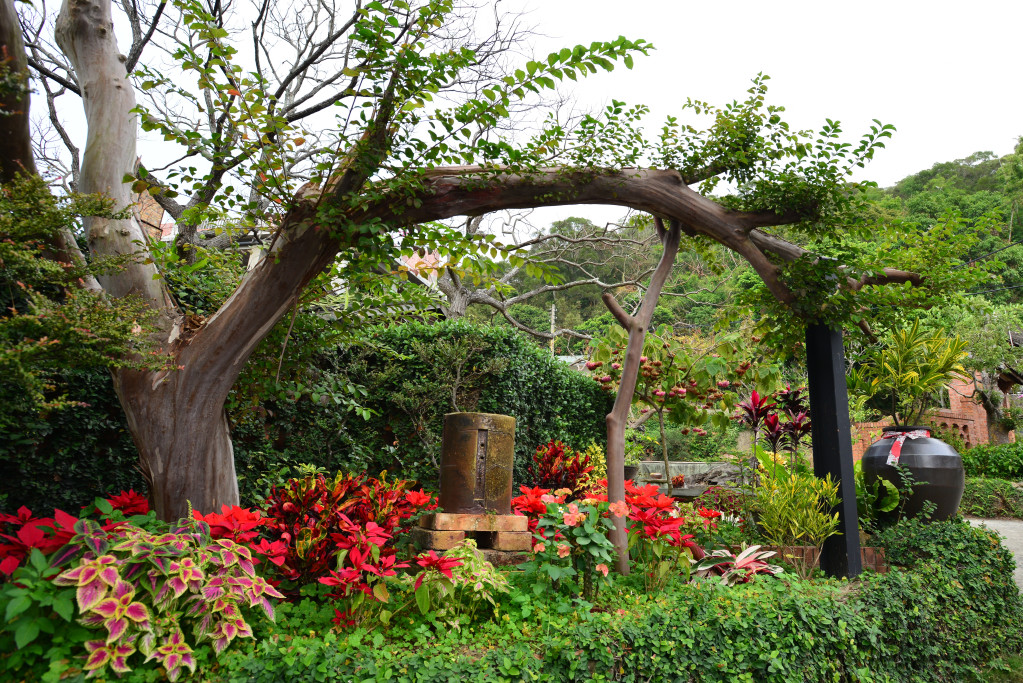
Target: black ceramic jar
933,463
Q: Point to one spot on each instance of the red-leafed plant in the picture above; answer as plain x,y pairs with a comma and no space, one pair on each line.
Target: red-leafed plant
533,503
318,518
129,503
678,481
21,532
556,468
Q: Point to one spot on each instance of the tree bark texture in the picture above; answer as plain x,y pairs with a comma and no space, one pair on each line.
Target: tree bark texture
15,141
617,419
85,32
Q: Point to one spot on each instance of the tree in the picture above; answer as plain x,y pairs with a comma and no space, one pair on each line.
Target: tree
574,254
400,160
991,333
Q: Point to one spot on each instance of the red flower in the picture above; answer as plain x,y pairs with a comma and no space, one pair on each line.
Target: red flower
234,523
432,561
709,514
129,502
419,498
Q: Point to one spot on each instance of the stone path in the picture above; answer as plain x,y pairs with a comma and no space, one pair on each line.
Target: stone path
1012,530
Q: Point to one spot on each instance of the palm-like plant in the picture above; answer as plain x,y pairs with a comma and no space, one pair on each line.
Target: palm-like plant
902,376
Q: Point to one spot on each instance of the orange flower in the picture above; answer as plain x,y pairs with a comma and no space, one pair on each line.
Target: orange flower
602,568
564,549
619,508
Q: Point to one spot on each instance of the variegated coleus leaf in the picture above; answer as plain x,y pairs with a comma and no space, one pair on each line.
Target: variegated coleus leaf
65,555
100,654
94,578
174,654
120,609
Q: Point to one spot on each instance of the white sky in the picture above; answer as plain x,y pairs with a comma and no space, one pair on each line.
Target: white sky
947,75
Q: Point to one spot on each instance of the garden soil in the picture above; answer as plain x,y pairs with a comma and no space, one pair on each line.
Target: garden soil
1012,531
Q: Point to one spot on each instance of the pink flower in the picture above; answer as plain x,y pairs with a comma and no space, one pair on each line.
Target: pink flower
539,548
602,568
619,508
564,549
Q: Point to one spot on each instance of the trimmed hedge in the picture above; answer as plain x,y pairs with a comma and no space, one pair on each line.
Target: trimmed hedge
951,609
67,458
991,498
1002,461
547,399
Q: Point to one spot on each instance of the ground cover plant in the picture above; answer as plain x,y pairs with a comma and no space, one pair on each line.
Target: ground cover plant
939,615
1001,461
245,595
991,497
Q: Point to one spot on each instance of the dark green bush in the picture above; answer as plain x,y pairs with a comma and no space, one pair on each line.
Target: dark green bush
547,399
68,457
957,595
985,497
1002,461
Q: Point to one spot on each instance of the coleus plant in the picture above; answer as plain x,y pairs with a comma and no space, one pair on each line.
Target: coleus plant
141,590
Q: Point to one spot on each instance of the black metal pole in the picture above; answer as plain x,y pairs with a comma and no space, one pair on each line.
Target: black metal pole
832,444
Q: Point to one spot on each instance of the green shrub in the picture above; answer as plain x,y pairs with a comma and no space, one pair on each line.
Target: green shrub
985,497
712,446
957,595
910,625
68,457
547,399
1001,461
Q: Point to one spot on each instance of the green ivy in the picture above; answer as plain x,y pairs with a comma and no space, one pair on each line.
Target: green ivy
985,497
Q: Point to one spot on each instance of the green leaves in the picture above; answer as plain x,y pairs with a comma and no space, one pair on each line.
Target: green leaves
900,378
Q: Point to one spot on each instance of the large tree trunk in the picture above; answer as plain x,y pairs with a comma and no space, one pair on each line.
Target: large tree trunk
15,141
184,442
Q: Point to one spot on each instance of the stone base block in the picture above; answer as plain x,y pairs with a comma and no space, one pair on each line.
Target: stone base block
508,541
512,540
504,558
448,521
436,540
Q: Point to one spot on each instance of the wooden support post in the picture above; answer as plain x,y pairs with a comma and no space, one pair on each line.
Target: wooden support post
832,444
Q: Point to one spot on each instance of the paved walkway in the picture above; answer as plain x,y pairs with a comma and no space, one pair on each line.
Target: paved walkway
1012,530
